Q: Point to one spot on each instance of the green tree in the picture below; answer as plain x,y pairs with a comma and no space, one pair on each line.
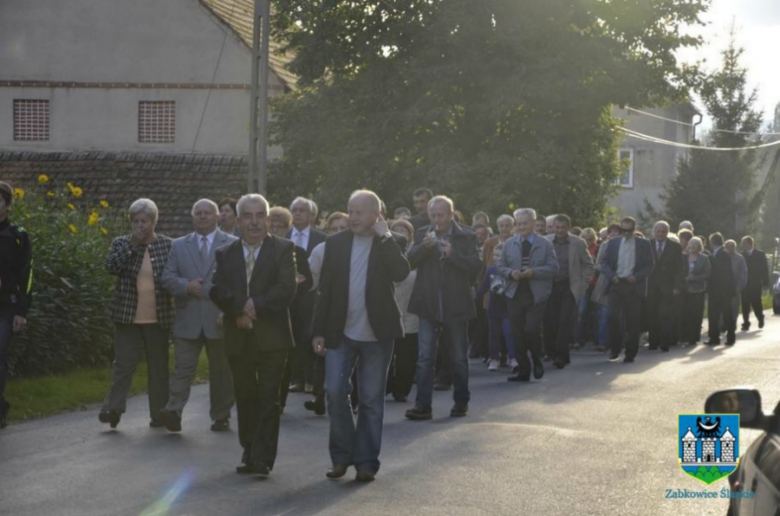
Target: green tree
716,190
495,102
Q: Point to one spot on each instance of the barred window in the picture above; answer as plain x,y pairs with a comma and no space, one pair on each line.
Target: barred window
31,120
156,121
626,160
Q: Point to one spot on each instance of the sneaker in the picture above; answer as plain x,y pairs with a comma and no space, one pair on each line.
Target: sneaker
512,364
459,410
493,365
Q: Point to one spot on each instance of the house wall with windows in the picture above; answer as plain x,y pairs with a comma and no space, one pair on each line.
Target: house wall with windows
95,62
649,167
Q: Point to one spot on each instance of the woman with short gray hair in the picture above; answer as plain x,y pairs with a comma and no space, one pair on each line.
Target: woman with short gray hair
698,272
142,312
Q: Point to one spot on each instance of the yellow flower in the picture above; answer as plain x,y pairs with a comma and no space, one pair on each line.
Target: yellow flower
71,207
43,179
77,192
18,193
50,195
73,229
104,203
103,231
93,218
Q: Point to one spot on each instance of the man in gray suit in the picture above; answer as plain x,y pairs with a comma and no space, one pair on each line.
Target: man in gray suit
188,278
528,264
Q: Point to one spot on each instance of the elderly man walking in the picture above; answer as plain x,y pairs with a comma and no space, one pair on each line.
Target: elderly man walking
356,321
188,277
758,278
447,261
528,265
254,285
575,270
665,286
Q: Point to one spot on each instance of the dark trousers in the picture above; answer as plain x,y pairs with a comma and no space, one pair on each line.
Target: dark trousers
302,364
693,314
6,332
559,321
257,379
660,306
625,314
443,361
751,298
400,378
720,306
129,339
525,320
478,332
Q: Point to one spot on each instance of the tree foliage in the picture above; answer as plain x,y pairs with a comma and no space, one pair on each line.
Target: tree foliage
495,102
717,191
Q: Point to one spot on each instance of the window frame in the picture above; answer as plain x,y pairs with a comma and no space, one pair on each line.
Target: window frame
156,127
18,132
619,180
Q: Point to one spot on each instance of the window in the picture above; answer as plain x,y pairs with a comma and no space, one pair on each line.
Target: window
626,163
31,120
156,121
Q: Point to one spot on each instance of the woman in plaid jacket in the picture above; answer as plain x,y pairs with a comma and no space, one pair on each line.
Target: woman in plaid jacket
141,310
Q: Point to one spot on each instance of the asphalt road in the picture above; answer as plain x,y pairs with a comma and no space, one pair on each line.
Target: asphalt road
595,438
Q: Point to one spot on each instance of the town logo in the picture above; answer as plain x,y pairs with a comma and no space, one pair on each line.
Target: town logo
708,445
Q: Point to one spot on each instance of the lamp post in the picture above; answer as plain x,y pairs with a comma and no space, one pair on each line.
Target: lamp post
257,170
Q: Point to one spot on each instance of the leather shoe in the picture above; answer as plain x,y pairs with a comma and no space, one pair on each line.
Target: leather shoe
337,471
244,469
761,323
419,413
746,326
459,410
558,363
111,417
317,405
730,342
258,468
171,420
712,342
519,377
538,368
665,349
220,425
365,475
628,360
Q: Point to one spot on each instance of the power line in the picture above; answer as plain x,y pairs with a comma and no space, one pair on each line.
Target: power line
214,75
653,139
659,117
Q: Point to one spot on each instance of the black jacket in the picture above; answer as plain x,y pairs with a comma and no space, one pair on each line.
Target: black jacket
758,270
448,280
386,265
721,285
272,289
668,273
15,268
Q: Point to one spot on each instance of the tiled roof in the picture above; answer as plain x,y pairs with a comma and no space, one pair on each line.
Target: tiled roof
239,15
173,181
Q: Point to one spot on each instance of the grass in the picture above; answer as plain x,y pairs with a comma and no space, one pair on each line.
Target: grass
46,395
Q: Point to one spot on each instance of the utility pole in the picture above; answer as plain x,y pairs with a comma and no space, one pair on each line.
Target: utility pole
258,104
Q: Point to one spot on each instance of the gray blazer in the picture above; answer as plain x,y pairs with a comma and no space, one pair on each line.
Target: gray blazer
193,315
696,280
581,268
542,261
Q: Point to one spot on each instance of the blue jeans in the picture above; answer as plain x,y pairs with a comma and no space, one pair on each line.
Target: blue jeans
350,444
456,335
6,332
497,327
603,332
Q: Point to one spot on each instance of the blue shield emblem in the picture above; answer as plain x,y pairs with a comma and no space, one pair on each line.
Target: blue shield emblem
708,445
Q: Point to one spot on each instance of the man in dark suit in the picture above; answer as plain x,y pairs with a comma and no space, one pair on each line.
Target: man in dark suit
446,257
720,290
664,287
303,235
627,264
758,279
254,285
421,197
356,321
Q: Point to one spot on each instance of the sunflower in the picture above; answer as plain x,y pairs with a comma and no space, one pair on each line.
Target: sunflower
43,179
18,193
93,218
103,231
77,192
50,195
104,204
71,207
73,229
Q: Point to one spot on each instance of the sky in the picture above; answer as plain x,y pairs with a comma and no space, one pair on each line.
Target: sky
758,32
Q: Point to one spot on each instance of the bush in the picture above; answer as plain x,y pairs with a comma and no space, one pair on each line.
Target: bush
67,326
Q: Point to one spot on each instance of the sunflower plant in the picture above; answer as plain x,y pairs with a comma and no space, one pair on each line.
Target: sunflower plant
70,236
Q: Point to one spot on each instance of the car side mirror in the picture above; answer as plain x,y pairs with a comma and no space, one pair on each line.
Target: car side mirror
745,402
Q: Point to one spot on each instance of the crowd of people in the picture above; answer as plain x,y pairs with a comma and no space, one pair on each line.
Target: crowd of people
370,307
